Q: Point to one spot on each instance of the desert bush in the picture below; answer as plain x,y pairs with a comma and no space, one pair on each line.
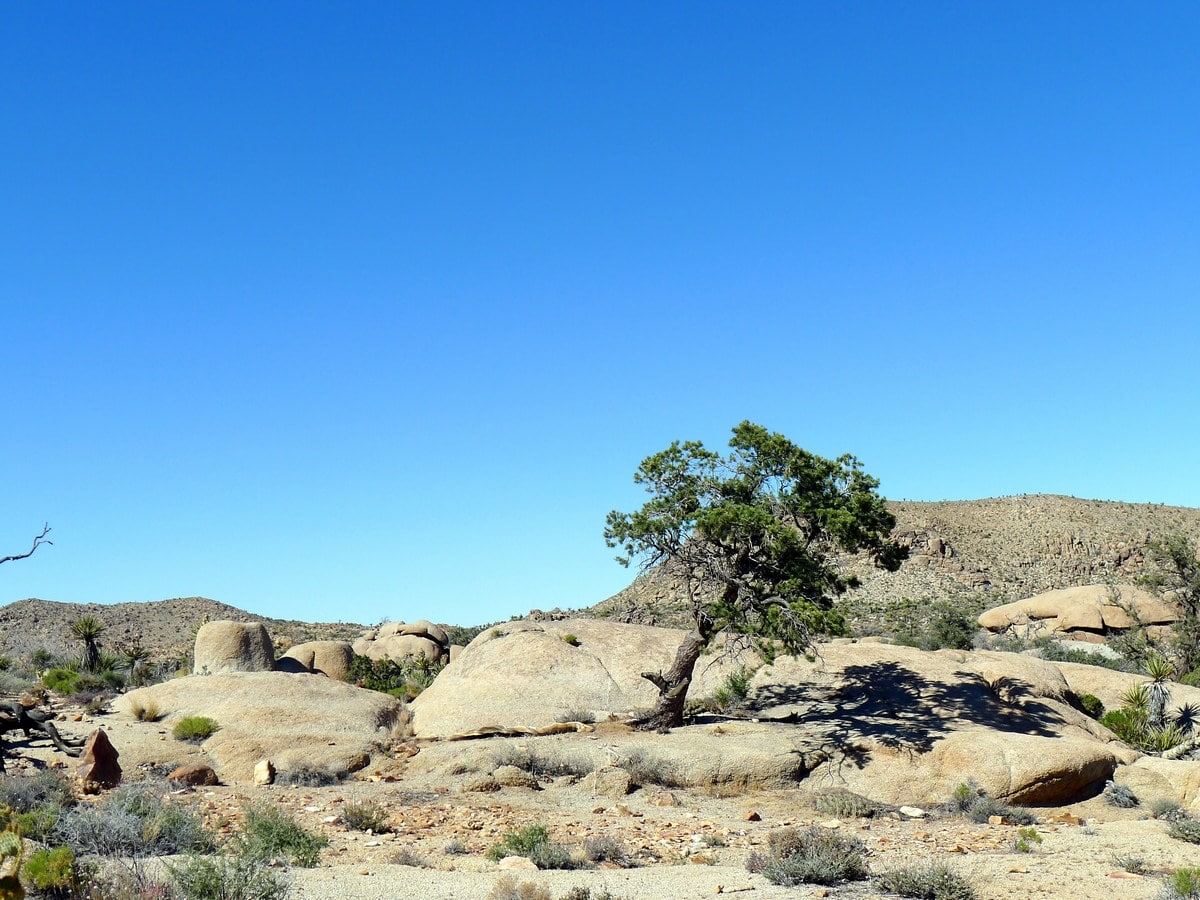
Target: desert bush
194,729
1134,865
134,820
238,877
1119,795
25,793
455,848
646,767
533,842
306,777
269,833
62,681
810,856
407,856
542,764
605,848
1026,840
1185,830
579,892
932,881
366,817
569,638
844,804
586,716
1167,809
933,625
973,802
734,689
52,871
508,888
404,679
1182,884
14,683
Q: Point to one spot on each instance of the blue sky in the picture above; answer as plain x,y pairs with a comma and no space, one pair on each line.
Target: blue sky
351,313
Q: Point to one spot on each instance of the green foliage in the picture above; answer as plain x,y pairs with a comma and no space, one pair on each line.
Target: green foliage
52,871
811,856
734,689
195,729
1054,650
269,833
533,842
932,624
1175,567
1092,705
1167,809
6,663
754,533
464,634
366,817
1026,840
88,629
932,881
1182,884
62,681
26,793
1131,863
1132,722
569,638
405,679
238,877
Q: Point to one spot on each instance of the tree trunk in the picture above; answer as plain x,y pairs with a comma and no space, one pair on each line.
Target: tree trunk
673,685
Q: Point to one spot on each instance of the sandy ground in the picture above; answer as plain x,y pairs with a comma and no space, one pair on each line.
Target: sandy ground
684,843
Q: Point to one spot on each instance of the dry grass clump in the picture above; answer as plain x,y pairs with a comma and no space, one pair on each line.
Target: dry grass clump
366,817
810,856
508,888
844,804
146,711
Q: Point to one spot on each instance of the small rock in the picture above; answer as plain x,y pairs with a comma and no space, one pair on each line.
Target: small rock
913,812
99,767
517,864
264,772
752,816
196,774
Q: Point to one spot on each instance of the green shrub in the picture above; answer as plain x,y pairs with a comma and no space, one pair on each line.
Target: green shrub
605,848
570,639
24,793
533,842
195,729
1134,865
1026,840
5,663
811,856
1185,830
1091,705
933,881
366,817
932,626
238,877
405,679
62,681
734,689
268,833
1182,884
51,871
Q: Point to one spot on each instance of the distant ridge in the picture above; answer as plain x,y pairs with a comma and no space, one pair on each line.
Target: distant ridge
1003,548
163,626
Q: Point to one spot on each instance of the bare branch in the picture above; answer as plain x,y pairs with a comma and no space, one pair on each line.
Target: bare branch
37,542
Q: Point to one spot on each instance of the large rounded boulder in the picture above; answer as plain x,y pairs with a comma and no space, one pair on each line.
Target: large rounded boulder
330,658
223,647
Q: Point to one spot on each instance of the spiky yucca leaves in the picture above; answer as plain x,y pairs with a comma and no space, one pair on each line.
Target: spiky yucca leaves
88,629
1158,695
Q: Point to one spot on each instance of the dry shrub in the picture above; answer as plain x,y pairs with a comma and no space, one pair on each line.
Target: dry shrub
508,888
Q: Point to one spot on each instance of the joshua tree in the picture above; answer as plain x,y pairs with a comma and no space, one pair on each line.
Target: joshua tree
134,658
88,629
1159,669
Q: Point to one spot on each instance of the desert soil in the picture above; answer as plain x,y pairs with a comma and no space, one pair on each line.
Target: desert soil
685,843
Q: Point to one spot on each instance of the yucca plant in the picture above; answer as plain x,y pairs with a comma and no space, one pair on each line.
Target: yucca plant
88,629
1158,695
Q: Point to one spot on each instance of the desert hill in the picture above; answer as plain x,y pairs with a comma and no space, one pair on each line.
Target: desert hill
164,627
985,552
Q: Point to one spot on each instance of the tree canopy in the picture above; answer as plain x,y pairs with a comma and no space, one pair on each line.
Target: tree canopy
754,533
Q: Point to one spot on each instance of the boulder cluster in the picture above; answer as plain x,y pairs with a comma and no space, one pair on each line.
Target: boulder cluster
1085,613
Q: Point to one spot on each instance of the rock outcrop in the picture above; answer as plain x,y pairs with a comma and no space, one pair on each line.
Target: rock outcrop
535,673
330,658
297,722
396,640
223,647
1086,612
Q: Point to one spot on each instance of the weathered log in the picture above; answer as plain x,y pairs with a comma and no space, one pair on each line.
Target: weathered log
13,716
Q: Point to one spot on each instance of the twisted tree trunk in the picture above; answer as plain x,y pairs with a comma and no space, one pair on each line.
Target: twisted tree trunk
673,685
13,716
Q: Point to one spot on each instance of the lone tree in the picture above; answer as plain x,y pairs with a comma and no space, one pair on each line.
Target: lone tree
88,630
1175,571
753,536
37,542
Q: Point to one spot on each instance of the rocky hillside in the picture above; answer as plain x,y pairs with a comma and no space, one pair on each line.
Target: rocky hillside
164,627
987,551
